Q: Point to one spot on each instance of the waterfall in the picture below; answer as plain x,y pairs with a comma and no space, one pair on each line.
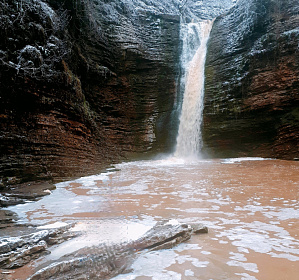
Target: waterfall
194,36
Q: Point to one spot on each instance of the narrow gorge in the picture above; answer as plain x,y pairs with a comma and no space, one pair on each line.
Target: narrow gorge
84,84
251,100
144,139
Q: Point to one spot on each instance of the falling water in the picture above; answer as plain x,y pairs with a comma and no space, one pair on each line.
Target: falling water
189,141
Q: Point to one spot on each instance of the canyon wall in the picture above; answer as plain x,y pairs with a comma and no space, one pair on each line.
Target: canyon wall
86,83
82,85
252,81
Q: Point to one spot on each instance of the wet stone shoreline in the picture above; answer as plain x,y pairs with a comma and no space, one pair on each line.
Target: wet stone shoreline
96,262
22,193
17,251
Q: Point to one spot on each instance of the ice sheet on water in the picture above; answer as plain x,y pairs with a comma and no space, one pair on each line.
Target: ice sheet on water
173,222
247,266
234,160
246,276
283,214
53,225
157,265
106,231
189,272
264,238
87,181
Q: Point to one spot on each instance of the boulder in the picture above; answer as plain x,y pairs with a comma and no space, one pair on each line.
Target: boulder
17,251
105,262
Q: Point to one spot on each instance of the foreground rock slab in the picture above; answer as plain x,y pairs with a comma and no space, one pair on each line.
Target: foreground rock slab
17,251
22,193
105,262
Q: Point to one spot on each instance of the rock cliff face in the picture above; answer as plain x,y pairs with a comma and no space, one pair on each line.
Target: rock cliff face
47,127
80,84
84,83
252,81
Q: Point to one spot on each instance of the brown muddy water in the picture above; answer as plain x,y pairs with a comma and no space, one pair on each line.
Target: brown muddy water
250,205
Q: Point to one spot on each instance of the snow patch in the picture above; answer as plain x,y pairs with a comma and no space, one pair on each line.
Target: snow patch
234,160
53,225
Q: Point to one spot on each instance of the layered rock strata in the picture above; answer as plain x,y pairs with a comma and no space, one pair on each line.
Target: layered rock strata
107,261
81,84
17,251
252,81
84,83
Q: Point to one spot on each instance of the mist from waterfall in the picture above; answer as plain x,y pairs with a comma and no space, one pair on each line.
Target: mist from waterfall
195,37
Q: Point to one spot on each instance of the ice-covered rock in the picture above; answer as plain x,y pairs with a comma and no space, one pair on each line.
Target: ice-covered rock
251,97
99,79
18,251
105,262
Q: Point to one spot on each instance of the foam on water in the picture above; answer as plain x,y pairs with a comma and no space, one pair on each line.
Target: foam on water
249,207
53,225
87,181
105,232
234,160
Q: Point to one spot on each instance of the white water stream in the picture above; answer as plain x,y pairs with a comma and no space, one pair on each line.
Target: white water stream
189,141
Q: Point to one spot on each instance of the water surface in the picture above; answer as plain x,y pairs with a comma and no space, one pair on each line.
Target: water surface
250,206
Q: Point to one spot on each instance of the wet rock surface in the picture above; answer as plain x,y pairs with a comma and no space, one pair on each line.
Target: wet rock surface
17,251
44,118
251,92
85,83
7,218
25,192
105,262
